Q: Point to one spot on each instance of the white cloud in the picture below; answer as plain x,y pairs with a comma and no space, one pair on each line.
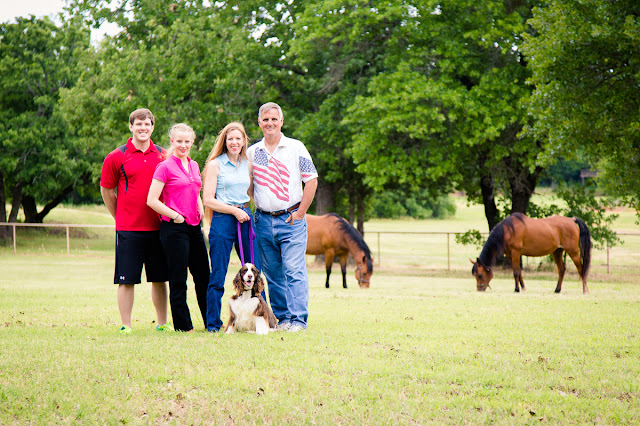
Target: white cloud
22,8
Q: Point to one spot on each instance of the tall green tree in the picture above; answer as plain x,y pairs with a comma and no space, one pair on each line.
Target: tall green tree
422,96
204,64
585,62
40,163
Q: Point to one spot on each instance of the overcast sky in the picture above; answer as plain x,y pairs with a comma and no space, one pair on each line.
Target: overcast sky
11,9
14,8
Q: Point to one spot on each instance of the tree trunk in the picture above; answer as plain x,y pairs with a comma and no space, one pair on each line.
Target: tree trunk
5,231
488,200
324,199
352,211
361,209
522,186
15,202
30,209
3,201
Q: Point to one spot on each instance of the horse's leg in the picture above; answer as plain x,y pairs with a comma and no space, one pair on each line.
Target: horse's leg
343,266
575,256
562,268
329,255
517,271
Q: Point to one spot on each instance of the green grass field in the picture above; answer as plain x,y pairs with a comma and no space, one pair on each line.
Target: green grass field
420,346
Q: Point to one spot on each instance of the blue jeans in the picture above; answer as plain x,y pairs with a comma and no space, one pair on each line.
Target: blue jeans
282,250
223,235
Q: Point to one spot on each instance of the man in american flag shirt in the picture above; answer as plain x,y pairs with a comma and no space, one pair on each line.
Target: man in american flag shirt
280,166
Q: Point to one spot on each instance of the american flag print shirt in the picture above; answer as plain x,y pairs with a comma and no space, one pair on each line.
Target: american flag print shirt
278,177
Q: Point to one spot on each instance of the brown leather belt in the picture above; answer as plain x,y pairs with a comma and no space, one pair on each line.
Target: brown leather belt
245,205
280,212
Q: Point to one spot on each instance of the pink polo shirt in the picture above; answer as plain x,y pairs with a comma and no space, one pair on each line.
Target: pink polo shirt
181,188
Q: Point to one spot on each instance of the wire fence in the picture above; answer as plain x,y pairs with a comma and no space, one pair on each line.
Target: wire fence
412,250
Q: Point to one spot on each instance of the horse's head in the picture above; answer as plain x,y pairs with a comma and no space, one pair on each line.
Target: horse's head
364,272
482,273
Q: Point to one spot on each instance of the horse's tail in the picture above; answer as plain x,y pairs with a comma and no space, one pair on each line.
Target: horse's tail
585,246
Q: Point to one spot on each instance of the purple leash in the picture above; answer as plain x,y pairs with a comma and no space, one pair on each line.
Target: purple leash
251,238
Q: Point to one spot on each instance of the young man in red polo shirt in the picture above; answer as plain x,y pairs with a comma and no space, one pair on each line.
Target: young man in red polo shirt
124,184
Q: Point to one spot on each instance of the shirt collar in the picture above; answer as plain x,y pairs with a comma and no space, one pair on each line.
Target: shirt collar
178,161
284,141
132,147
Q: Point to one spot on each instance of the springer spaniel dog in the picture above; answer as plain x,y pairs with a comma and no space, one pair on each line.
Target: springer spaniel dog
248,309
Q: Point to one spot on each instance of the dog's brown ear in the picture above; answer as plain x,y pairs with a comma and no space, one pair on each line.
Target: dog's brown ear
259,283
237,283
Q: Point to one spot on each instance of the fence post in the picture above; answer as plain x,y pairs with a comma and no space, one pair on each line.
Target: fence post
448,254
14,239
67,239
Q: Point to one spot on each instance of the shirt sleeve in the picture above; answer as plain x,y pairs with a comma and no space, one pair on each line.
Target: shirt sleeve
307,168
110,171
161,172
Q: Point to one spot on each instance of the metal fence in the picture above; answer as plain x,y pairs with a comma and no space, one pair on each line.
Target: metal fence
413,250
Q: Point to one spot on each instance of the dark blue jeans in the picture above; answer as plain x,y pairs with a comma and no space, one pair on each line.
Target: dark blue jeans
282,251
223,236
184,248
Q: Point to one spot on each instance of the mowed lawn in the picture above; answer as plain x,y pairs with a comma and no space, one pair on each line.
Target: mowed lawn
415,348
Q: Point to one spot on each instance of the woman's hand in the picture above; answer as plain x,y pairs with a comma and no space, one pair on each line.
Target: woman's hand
179,219
241,215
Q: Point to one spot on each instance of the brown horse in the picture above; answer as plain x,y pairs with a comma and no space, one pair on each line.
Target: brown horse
520,235
333,236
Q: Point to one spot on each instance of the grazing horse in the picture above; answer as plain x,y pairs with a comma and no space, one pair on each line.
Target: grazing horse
520,235
333,236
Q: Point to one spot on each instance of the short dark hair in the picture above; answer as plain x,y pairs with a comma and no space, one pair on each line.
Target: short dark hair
141,114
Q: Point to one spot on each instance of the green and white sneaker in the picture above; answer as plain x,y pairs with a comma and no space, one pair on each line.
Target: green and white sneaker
164,327
125,330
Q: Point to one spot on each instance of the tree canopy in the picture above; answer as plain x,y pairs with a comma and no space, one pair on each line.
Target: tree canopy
413,97
585,67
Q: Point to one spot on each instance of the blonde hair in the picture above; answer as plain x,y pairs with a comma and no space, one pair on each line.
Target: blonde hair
179,127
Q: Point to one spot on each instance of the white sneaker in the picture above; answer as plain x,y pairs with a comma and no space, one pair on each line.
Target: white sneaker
283,326
295,328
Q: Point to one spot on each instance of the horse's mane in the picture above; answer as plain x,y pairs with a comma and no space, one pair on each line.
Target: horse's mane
353,234
495,245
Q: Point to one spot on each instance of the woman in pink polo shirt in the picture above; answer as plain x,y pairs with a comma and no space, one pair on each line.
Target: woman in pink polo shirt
177,183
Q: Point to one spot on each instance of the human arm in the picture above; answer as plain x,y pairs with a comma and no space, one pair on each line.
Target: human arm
209,199
200,206
153,201
250,190
308,193
110,199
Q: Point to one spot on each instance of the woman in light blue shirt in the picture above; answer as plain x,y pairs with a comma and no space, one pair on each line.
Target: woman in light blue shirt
225,196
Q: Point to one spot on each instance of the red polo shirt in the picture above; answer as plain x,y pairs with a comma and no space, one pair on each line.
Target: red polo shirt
130,171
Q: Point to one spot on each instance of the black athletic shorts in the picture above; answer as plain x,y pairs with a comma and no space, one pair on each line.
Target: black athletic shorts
135,248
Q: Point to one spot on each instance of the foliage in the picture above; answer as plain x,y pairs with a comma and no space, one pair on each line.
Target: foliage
585,64
563,170
594,211
40,163
472,237
396,204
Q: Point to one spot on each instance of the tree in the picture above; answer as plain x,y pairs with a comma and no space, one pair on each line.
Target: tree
40,164
439,91
585,62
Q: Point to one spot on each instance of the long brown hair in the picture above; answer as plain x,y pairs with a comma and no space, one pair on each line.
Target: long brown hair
220,146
